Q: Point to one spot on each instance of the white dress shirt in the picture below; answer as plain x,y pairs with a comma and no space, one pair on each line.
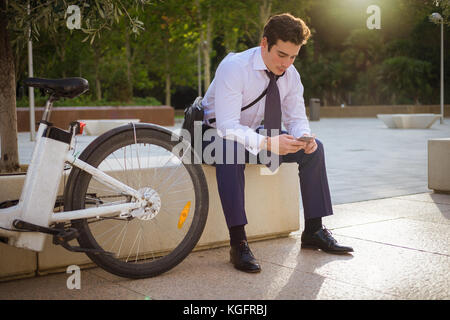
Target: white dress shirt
240,78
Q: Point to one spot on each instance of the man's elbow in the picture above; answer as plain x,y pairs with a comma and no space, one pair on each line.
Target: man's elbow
224,126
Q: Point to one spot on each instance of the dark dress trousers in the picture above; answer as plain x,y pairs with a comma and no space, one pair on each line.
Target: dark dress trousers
231,180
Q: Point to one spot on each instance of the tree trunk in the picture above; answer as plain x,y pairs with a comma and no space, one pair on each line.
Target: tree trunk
63,60
60,52
98,84
168,88
9,160
168,101
264,14
129,73
206,50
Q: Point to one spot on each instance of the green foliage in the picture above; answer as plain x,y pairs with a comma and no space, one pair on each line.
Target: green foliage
445,6
86,101
48,15
343,62
403,77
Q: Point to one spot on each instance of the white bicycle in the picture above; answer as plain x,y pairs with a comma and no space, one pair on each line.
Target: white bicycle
135,206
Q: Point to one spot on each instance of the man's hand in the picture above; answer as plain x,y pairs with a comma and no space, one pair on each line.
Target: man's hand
311,146
284,144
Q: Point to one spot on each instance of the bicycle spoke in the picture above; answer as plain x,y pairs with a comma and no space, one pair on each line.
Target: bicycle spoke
131,250
123,238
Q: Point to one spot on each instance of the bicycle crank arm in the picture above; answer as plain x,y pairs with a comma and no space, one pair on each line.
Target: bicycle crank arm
85,250
26,226
60,236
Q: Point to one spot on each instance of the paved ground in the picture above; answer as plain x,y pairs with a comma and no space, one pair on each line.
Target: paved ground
366,160
399,229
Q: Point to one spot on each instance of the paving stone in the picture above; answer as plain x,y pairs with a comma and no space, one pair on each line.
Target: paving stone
408,233
390,270
54,287
428,197
213,277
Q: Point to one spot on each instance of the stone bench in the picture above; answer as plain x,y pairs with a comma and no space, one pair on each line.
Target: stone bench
409,121
439,165
270,214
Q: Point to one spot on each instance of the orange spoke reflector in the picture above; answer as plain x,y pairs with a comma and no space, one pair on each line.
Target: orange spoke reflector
184,214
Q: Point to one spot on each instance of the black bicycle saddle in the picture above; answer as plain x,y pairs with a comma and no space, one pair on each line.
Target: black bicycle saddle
65,88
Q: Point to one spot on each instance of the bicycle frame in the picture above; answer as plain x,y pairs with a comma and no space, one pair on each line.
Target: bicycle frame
37,200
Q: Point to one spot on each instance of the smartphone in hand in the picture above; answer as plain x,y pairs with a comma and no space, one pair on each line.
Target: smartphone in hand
305,138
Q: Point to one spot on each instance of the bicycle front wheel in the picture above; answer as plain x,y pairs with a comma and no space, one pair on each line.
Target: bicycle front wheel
141,245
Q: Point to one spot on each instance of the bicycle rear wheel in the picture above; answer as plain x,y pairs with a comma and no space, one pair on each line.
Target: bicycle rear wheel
142,158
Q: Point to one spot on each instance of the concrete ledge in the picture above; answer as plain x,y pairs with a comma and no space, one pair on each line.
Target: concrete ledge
62,116
17,263
372,111
99,126
270,214
388,120
369,111
272,204
409,121
439,165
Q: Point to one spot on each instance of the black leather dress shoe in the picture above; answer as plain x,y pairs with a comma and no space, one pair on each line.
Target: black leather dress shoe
242,258
322,239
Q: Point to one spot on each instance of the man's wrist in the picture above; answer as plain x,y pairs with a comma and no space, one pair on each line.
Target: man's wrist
265,144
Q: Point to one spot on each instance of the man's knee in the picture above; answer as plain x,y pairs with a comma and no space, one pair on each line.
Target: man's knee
225,151
317,155
320,147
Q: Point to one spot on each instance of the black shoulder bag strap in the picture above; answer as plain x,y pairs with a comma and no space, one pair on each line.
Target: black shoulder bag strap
212,120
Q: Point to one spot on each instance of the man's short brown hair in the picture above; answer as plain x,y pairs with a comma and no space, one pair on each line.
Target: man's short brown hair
286,27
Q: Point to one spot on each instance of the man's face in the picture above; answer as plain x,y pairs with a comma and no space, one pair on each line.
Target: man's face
281,55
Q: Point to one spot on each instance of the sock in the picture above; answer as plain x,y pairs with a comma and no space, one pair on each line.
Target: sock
313,225
237,234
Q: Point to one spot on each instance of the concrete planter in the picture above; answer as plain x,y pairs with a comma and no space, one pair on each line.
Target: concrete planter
439,165
409,121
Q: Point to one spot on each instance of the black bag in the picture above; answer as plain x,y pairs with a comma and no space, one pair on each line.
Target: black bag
195,112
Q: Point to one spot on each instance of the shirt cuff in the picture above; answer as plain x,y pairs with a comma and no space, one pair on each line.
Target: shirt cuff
248,138
254,144
299,133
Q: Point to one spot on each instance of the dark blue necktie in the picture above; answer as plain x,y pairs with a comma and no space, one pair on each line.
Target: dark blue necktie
272,111
272,115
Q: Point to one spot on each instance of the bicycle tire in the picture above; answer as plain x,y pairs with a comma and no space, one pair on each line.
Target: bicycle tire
76,195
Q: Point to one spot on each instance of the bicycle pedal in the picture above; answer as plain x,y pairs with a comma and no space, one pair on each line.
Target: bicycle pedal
65,236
